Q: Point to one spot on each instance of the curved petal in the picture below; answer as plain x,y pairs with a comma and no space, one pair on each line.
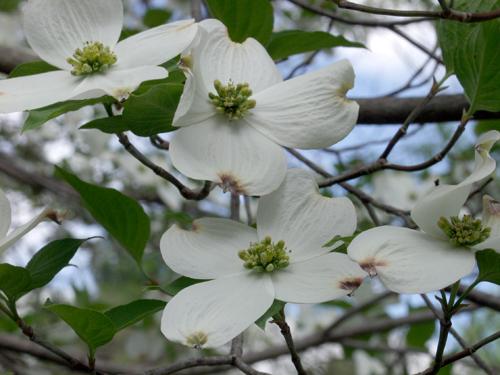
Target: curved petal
299,215
442,201
5,214
310,111
216,56
319,279
217,310
16,234
485,165
157,45
209,250
119,83
491,215
56,28
230,153
409,261
40,90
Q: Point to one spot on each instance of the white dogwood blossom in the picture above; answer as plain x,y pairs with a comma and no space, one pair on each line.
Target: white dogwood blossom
80,37
249,268
236,112
7,238
412,261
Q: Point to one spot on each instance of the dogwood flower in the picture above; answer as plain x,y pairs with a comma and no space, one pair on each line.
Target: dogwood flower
236,111
80,37
412,261
249,268
8,239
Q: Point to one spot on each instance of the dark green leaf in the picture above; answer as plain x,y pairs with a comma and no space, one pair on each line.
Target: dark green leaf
9,5
120,215
13,280
245,18
126,315
275,308
291,42
488,262
471,52
156,17
182,282
40,116
93,327
146,114
419,334
30,68
51,259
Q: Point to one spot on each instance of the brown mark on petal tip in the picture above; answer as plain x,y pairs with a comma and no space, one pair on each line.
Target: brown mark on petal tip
229,183
350,284
56,216
370,266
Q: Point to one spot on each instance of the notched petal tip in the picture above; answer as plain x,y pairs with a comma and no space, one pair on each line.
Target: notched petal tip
230,183
370,266
350,284
56,216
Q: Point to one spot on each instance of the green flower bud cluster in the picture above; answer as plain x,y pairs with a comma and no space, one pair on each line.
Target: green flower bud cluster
93,58
232,100
197,339
465,231
265,256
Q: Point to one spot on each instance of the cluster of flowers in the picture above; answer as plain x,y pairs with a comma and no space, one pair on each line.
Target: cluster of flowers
235,116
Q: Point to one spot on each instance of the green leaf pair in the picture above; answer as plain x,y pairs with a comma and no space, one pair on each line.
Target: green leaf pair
96,328
15,282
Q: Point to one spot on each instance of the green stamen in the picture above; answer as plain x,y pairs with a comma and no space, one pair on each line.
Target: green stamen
232,100
197,339
465,231
93,58
265,256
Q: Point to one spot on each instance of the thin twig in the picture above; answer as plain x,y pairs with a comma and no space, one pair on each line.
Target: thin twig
287,334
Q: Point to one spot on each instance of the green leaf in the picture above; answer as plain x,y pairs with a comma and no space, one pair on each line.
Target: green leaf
156,17
120,215
50,260
13,280
419,334
245,18
40,116
471,52
126,315
32,67
275,308
182,282
93,327
292,42
488,262
145,114
9,5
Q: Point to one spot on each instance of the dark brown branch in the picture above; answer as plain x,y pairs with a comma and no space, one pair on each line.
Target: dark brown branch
287,335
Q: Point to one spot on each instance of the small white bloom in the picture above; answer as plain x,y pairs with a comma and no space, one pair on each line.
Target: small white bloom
236,111
80,37
410,261
283,259
8,239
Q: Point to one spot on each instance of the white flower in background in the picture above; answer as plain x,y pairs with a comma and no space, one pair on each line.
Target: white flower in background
282,259
8,239
80,37
412,261
236,112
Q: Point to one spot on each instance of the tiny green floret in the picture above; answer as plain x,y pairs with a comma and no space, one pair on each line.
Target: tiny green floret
232,100
464,232
94,57
197,339
265,256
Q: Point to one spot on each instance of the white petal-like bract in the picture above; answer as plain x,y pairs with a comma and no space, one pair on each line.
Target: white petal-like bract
5,214
209,250
235,155
409,261
485,165
211,313
320,279
56,28
310,111
299,215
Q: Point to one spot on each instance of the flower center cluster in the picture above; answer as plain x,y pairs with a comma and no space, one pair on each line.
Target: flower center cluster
197,339
465,231
94,57
232,100
265,256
